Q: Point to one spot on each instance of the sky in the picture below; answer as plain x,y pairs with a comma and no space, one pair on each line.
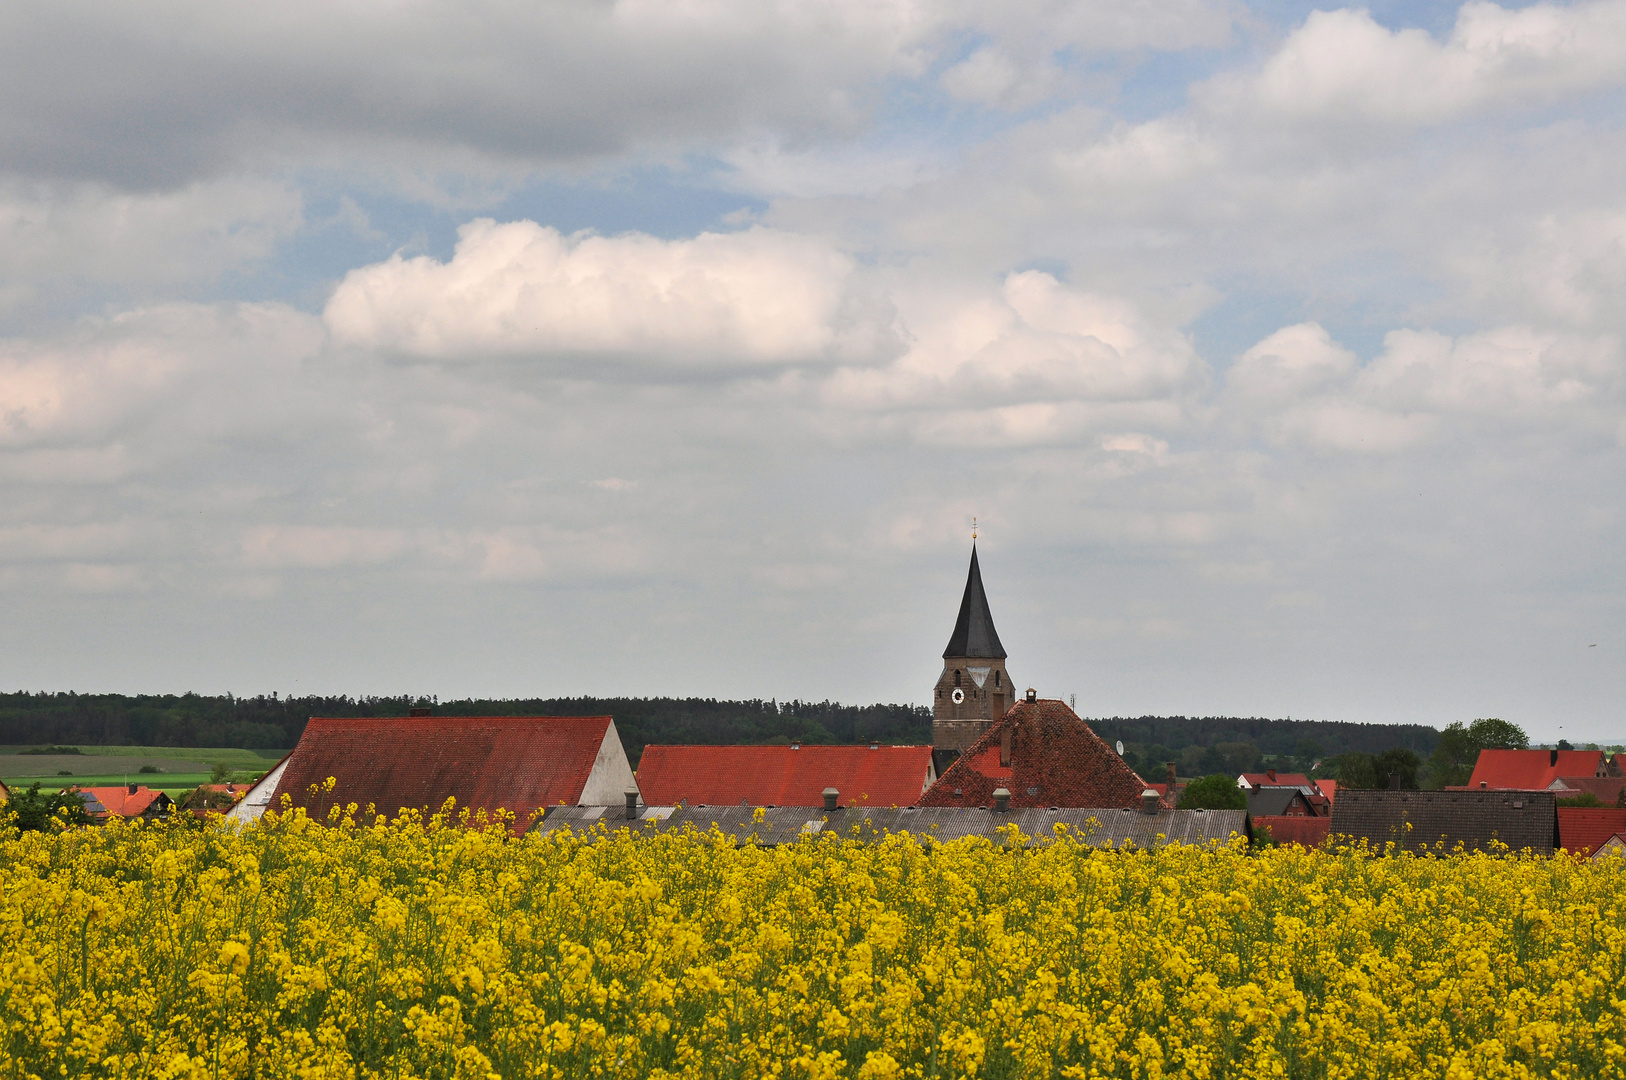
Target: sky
670,347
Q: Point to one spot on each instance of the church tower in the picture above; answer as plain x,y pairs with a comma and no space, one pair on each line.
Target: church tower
974,689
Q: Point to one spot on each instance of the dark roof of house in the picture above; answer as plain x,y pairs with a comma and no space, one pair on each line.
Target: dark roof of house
1442,820
1094,827
516,763
1583,829
1274,801
974,633
1056,760
783,775
1304,830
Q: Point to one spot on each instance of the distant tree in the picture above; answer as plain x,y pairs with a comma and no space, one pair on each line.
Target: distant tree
1454,756
1191,761
1489,733
1238,757
1584,798
1215,792
1355,770
31,809
220,774
1564,744
1398,762
1309,752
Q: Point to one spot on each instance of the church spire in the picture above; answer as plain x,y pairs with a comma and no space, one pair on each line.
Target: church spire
974,633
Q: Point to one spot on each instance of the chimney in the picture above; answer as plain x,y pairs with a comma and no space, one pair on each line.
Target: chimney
874,745
420,712
132,788
1148,801
1270,774
1002,801
1170,774
1005,748
1394,781
830,797
1552,758
1032,695
632,803
1484,784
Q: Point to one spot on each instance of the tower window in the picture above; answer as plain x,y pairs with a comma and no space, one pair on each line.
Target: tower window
956,676
996,678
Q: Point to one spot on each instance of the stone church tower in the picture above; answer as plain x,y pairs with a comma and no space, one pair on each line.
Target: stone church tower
974,689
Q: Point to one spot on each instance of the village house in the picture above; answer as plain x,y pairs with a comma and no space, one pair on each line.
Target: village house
126,801
1304,830
1583,830
1445,820
794,775
1548,770
1280,802
521,764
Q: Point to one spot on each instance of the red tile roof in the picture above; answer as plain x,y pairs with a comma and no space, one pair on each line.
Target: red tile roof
1329,788
1531,770
121,802
1056,760
1582,829
1304,831
516,763
782,776
1608,789
1277,779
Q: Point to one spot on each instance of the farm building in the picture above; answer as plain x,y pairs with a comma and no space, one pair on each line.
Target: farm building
1303,830
793,775
1443,820
1044,755
516,763
257,799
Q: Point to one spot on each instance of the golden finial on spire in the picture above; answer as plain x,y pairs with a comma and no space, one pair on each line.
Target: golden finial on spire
973,528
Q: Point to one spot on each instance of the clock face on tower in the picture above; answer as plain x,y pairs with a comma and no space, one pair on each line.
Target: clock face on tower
958,696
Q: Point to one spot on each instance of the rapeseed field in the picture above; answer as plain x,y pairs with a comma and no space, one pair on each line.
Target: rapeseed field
445,948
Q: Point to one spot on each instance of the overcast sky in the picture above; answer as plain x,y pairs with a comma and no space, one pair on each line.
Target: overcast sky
652,347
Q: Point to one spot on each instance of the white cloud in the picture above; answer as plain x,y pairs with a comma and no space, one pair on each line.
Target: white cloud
1343,66
754,297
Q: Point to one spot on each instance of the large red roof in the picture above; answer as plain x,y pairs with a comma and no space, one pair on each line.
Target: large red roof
782,775
1272,778
1056,760
1582,828
1531,770
517,763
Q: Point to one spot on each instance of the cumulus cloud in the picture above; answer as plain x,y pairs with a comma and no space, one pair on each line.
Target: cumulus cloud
754,297
1343,66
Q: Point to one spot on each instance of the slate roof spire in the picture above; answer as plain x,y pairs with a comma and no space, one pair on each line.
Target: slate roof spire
974,633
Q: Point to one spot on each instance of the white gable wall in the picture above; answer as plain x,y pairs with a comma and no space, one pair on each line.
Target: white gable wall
611,777
258,798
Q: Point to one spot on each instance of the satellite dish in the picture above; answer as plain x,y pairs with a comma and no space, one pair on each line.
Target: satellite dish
1120,748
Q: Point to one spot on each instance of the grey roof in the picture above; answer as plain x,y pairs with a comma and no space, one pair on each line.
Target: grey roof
1096,828
974,633
1271,801
1441,820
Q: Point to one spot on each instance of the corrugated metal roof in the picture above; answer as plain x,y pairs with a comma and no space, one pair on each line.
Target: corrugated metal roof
1441,820
1099,828
783,775
516,763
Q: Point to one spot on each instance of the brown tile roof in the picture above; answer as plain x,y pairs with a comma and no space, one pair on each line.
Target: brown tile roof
1474,819
783,775
1055,760
517,763
1304,831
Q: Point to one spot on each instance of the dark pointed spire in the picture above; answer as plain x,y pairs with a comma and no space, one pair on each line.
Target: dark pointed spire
974,633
